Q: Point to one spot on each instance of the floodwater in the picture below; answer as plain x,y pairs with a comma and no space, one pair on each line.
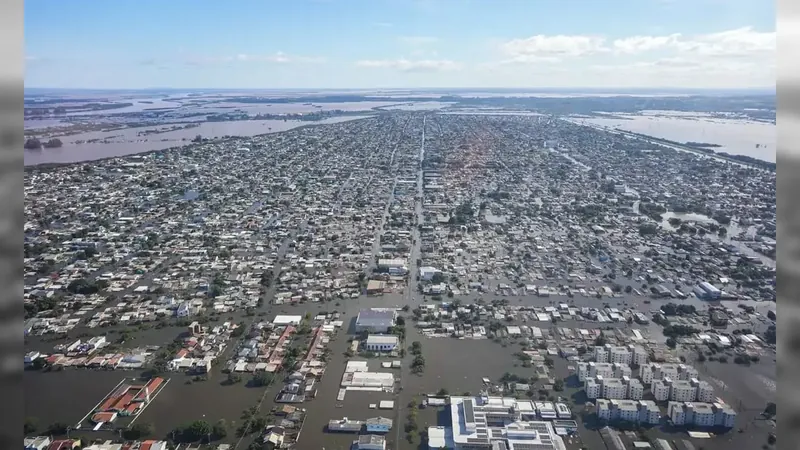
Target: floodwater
737,137
68,395
126,142
419,106
287,108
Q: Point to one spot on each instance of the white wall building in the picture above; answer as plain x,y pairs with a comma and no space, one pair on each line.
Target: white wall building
635,389
484,421
381,343
619,355
705,392
660,390
605,370
600,354
701,415
613,388
649,373
592,388
639,355
643,411
620,370
682,391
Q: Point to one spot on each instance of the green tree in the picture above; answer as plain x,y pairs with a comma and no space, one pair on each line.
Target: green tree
138,431
261,379
31,425
219,430
197,430
57,429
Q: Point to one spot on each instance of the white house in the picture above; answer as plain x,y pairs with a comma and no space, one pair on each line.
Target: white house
381,343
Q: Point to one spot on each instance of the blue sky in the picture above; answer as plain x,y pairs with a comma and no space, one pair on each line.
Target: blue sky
399,43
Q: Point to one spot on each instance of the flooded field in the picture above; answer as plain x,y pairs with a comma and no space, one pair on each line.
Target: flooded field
127,142
737,137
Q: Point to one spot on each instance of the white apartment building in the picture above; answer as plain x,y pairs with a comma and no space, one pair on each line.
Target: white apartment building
619,355
660,390
592,388
704,390
639,355
650,372
583,371
682,391
613,388
653,371
635,388
603,409
605,370
600,354
620,370
686,372
668,371
628,410
649,412
701,414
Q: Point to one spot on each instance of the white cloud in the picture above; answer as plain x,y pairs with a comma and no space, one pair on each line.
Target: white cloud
638,44
548,47
739,42
277,57
418,40
406,65
742,54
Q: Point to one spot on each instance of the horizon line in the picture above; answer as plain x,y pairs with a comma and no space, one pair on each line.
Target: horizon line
550,88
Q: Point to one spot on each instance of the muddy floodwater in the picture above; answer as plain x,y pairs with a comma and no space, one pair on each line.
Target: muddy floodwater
128,141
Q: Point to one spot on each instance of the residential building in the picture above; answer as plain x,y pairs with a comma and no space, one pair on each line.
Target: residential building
375,320
603,409
619,355
612,388
379,425
605,370
583,371
686,372
600,354
427,273
660,390
704,391
592,388
649,412
635,388
645,412
669,371
37,443
381,343
682,391
624,410
649,372
369,442
700,414
620,370
639,356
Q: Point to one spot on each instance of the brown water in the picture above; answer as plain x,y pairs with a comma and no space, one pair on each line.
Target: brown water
126,142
